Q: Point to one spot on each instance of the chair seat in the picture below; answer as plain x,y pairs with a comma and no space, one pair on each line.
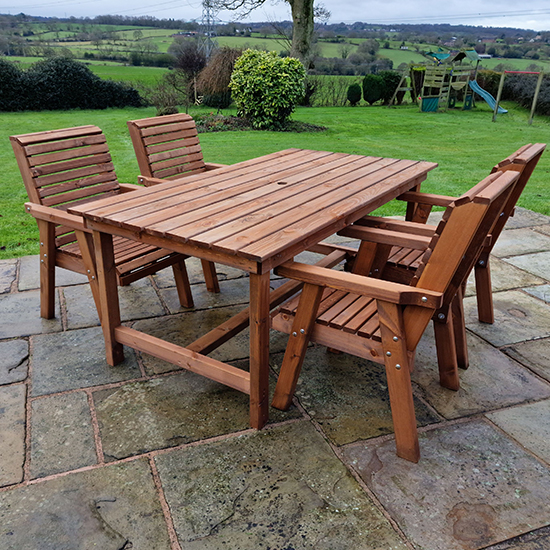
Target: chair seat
344,311
130,256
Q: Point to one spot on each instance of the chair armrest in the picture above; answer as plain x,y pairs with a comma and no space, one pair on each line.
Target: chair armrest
414,228
214,166
128,187
148,182
357,284
387,236
53,215
426,198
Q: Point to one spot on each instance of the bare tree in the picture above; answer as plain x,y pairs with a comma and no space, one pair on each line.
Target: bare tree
303,17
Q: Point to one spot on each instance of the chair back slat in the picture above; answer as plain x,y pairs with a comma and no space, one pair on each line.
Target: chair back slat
460,235
167,146
62,168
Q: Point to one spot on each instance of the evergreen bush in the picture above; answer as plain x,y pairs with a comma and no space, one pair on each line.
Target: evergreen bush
267,88
372,88
354,94
390,81
59,83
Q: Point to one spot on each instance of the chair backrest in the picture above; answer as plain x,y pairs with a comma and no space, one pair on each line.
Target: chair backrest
63,168
167,147
461,234
524,160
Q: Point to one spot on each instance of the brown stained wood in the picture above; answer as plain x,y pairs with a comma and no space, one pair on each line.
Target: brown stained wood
294,211
446,349
86,248
459,327
357,284
205,366
399,381
397,225
210,276
386,236
341,213
297,345
426,198
260,322
152,198
108,296
254,191
329,315
47,269
355,305
484,292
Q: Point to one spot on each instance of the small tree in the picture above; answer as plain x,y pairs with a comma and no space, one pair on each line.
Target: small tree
267,88
354,94
213,81
372,88
390,81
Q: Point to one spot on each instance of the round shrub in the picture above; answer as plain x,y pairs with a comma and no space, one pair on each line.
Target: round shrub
372,88
354,94
267,88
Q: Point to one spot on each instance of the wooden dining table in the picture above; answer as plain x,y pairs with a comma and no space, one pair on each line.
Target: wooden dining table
253,215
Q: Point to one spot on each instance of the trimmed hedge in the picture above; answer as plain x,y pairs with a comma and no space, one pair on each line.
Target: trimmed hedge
354,94
59,84
372,88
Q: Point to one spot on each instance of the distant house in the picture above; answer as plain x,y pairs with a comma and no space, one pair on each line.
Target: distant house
404,48
484,56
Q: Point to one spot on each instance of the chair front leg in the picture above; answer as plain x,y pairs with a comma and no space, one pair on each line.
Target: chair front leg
396,360
459,327
297,346
47,269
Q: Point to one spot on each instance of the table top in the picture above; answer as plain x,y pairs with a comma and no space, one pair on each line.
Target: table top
263,210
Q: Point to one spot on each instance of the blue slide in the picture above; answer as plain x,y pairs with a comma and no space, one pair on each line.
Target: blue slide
491,101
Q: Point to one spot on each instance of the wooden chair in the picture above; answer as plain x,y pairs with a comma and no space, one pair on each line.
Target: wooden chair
167,147
382,320
419,206
63,168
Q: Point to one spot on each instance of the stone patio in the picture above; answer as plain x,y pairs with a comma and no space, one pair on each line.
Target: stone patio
149,457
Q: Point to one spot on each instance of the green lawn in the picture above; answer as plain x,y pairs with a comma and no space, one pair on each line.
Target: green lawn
466,144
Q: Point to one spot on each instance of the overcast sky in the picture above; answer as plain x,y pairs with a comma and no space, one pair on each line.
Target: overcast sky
534,14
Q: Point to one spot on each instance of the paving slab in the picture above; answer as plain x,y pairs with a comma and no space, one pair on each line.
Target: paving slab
232,292
169,411
348,396
536,540
20,314
137,301
14,361
534,354
542,292
184,328
277,488
526,218
545,229
493,380
518,317
165,278
8,272
505,277
514,242
472,487
110,508
76,359
528,424
538,264
29,275
62,437
12,435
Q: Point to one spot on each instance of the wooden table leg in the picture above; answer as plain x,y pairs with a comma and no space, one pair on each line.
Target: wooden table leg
259,349
108,296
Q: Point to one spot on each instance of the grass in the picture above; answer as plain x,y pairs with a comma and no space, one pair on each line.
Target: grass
466,144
